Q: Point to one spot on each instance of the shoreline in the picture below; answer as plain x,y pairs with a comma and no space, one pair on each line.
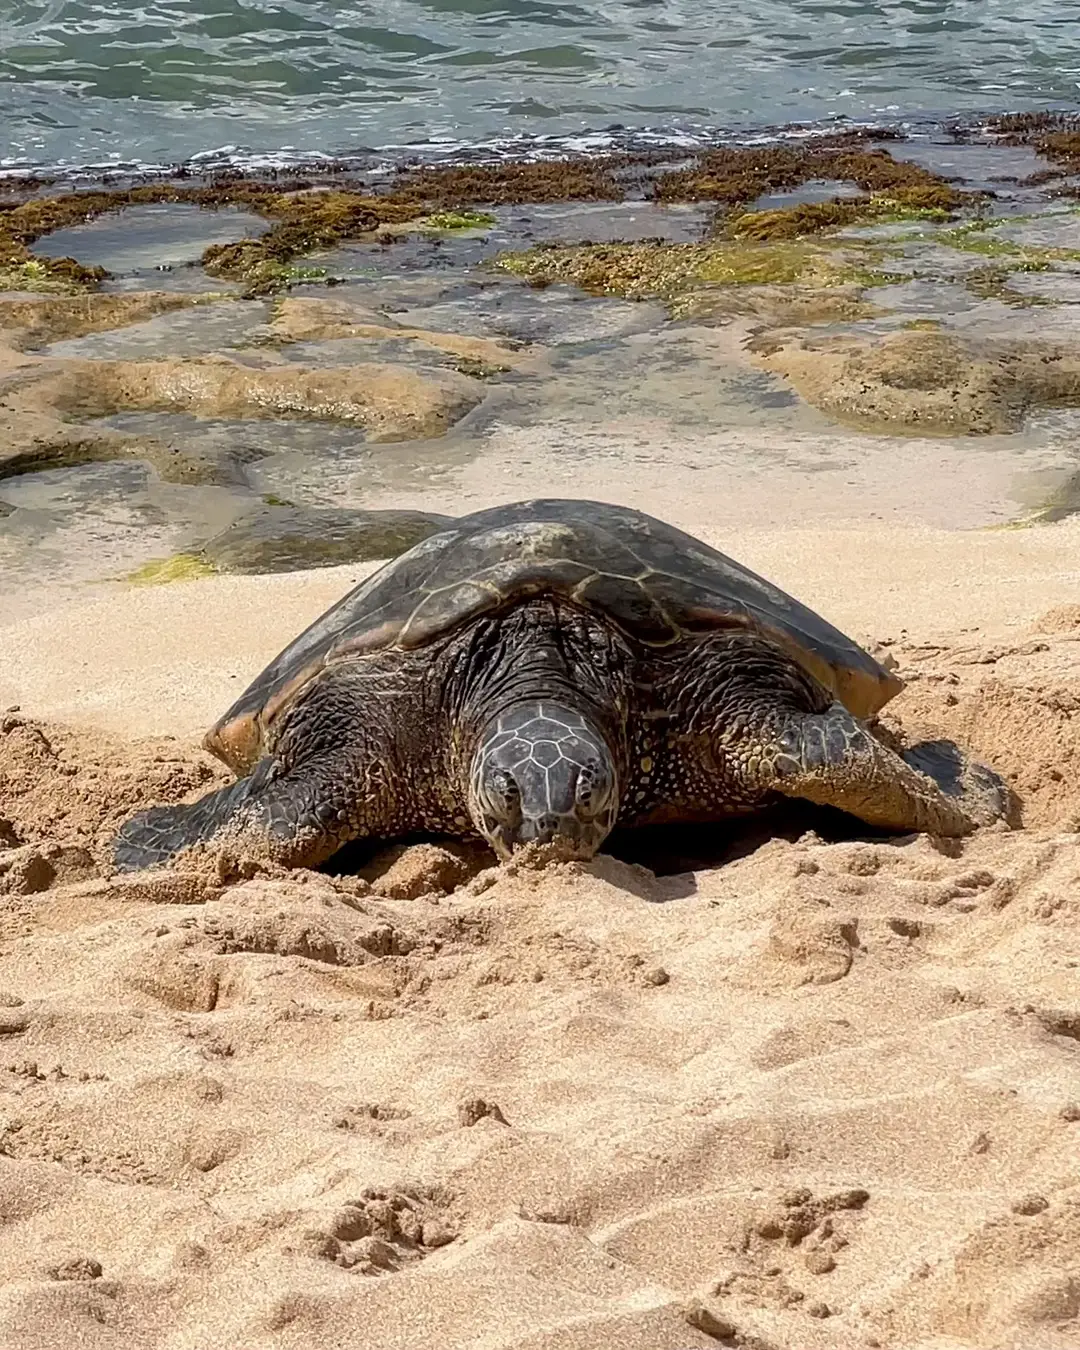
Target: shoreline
941,128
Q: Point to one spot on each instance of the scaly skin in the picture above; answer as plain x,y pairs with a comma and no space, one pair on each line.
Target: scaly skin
717,725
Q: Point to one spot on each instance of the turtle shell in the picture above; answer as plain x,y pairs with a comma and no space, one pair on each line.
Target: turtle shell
651,580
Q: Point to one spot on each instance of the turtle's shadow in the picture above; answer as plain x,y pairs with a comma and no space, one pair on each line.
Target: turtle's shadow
674,853
671,853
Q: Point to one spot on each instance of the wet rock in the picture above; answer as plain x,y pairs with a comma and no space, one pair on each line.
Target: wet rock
782,306
41,398
288,538
31,322
195,464
307,319
391,402
936,383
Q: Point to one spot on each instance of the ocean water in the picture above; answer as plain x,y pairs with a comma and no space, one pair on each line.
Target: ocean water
86,82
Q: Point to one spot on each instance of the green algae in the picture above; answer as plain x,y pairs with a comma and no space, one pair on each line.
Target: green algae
478,369
667,272
976,237
923,325
293,272
450,221
992,283
1006,258
268,277
804,218
36,276
163,571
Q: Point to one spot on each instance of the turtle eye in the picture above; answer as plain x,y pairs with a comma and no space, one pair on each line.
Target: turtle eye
504,794
590,792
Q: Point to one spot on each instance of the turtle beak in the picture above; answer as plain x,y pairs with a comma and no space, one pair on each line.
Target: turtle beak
574,833
575,837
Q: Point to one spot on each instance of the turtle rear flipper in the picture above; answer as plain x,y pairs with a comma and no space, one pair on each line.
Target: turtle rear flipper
831,759
297,819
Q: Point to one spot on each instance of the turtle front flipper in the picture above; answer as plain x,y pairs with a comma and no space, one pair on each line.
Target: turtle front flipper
831,759
298,819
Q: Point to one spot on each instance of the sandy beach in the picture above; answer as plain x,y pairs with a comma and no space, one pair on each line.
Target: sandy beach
823,1095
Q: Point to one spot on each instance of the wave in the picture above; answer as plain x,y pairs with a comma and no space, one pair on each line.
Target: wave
523,147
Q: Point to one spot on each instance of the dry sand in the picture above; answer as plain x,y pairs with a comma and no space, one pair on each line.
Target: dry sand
827,1094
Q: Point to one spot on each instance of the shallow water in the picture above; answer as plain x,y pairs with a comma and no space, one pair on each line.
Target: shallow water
612,399
168,79
151,239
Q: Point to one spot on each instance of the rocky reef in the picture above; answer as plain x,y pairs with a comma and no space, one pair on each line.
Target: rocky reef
926,381
391,310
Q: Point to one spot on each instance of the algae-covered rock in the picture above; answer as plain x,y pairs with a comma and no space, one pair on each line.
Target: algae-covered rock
933,383
193,462
734,175
803,218
56,445
675,272
453,186
289,538
451,221
779,306
305,217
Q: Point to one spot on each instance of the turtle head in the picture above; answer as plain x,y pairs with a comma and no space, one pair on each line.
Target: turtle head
543,772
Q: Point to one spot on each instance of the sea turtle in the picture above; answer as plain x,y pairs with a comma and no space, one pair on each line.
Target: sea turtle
542,670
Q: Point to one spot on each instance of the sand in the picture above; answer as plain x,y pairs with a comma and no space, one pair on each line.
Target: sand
823,1094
